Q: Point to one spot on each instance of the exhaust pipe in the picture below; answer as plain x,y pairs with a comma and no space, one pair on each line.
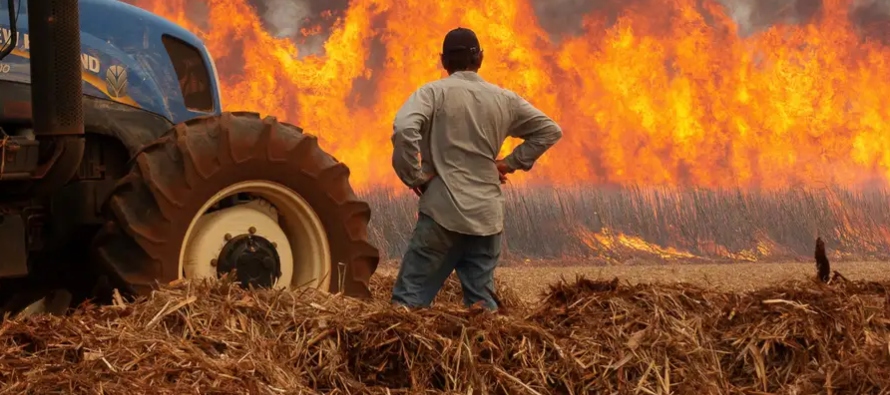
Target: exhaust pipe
57,86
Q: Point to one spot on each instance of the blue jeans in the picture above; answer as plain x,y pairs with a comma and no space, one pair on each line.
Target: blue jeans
433,253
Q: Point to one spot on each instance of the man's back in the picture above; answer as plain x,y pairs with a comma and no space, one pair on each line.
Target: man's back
460,143
446,139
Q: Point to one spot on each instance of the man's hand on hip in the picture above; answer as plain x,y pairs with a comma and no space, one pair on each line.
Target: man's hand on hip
503,170
421,189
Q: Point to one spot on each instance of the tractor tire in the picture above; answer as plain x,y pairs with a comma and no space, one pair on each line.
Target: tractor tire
153,208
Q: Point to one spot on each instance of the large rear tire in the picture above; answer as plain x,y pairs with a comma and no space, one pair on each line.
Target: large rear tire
166,221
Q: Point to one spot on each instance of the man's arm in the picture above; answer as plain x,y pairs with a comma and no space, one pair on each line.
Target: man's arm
416,112
537,129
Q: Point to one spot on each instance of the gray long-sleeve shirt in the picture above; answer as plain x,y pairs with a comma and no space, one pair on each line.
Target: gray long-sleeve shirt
457,125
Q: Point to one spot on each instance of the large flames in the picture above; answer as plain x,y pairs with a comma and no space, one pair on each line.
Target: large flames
667,93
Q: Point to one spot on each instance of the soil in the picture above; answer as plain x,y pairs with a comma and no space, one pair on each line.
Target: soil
530,281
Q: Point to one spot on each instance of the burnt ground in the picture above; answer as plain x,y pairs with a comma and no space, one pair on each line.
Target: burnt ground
529,281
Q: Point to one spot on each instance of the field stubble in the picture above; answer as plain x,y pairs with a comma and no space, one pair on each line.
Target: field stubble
584,337
603,225
749,328
530,282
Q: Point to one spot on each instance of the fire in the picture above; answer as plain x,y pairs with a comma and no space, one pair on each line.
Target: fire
668,93
607,242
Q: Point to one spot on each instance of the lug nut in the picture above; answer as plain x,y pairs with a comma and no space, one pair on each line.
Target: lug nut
228,236
214,262
252,230
274,245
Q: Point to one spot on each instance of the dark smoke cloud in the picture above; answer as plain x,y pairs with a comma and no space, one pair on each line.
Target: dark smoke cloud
873,19
560,18
565,17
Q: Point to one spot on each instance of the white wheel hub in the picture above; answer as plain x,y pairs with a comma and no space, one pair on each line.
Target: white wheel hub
280,216
214,230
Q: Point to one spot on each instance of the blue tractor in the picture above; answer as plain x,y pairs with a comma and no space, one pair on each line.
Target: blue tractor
119,169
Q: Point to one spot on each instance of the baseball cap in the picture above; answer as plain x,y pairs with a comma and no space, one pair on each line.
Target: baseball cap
460,39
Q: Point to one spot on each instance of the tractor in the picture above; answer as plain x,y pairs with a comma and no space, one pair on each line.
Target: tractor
119,169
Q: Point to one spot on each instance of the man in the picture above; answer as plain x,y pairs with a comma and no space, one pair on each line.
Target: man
457,126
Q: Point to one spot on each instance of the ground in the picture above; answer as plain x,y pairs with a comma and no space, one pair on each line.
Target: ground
529,281
799,337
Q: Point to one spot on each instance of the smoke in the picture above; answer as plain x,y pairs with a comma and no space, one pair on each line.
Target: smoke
289,18
563,18
566,17
742,12
872,18
286,17
754,15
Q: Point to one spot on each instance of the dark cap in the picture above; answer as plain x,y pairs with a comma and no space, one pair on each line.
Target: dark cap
460,39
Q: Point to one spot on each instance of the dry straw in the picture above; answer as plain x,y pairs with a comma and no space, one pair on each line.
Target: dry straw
727,225
583,338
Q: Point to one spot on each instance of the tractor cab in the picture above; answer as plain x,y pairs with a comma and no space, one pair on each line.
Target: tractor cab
128,56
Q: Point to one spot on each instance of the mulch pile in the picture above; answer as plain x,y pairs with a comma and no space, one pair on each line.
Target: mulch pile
585,337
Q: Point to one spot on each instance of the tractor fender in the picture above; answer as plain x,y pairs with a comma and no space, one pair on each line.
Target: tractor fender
132,127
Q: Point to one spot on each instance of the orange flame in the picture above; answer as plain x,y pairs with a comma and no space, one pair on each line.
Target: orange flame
650,99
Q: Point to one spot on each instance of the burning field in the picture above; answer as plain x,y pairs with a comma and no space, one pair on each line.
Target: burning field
670,225
696,131
766,94
583,337
717,131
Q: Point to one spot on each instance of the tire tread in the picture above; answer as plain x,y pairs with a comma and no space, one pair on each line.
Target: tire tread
147,207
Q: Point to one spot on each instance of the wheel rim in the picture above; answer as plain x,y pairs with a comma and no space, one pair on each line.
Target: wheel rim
280,216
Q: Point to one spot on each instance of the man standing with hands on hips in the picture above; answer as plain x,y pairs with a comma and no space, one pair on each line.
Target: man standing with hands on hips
456,125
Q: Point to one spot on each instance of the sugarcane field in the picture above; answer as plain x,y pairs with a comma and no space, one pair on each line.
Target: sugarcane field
263,196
